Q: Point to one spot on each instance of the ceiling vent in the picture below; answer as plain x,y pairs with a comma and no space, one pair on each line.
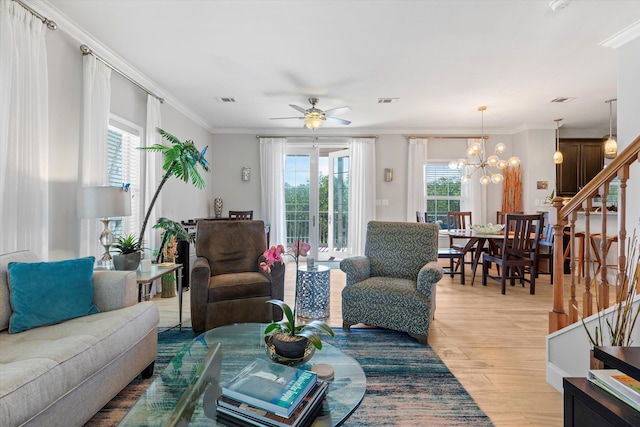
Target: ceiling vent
387,100
563,99
226,99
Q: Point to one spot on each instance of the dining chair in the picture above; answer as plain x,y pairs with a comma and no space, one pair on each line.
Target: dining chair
243,215
518,252
459,221
421,216
545,251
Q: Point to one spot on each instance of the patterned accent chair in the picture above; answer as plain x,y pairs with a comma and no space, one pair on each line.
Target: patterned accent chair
394,284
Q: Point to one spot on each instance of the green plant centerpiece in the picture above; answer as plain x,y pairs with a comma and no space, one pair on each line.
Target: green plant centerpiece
128,249
289,339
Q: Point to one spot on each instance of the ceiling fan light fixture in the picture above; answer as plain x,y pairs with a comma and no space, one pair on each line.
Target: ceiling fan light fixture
313,121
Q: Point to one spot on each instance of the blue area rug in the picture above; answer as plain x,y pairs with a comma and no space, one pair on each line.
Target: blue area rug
407,384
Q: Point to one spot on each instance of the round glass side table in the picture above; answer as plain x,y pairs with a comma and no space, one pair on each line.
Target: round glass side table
313,292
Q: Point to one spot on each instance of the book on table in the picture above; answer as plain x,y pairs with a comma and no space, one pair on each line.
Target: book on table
618,384
234,412
270,386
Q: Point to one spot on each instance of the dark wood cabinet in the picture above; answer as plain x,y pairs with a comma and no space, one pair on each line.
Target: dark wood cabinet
583,160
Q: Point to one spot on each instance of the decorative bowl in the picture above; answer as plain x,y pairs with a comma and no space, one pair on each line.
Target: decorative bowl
488,228
275,357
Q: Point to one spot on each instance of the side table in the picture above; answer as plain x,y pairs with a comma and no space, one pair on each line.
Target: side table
145,279
313,292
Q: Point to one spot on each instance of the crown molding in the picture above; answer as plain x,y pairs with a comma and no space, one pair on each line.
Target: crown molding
622,37
82,36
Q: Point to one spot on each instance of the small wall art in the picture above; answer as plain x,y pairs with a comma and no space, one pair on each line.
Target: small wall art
542,185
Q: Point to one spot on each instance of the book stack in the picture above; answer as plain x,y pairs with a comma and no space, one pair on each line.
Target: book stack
618,384
272,395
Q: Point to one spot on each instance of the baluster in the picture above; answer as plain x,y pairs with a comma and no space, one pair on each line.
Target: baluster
587,298
623,176
573,304
604,285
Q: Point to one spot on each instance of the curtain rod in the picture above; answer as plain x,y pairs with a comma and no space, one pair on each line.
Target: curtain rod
48,22
316,137
87,51
446,137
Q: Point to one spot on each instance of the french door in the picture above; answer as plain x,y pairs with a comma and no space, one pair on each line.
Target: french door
338,213
316,199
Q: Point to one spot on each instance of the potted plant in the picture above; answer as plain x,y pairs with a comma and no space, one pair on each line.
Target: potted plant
290,340
129,249
180,159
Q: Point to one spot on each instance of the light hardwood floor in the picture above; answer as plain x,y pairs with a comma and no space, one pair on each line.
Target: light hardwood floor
494,344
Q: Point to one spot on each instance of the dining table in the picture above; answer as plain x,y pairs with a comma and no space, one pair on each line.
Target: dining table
475,240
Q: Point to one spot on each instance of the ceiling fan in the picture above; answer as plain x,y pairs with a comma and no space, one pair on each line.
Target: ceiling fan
313,117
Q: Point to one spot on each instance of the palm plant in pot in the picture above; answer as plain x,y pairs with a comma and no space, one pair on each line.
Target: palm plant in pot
291,340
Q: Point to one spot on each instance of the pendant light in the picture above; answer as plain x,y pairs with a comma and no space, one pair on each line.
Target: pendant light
558,158
611,145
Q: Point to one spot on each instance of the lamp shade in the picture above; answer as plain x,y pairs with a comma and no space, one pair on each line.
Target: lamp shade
103,202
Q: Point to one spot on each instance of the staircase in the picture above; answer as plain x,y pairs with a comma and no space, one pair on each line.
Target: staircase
567,343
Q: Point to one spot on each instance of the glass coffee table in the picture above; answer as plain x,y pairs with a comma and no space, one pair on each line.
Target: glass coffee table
239,345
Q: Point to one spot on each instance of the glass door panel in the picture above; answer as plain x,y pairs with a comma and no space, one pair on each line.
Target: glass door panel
301,195
338,203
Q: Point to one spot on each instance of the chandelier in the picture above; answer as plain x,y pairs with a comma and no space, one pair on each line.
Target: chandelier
490,167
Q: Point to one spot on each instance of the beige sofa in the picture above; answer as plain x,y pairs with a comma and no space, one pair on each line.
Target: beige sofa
63,374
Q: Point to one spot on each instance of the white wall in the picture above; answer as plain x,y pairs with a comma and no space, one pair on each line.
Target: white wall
180,201
628,123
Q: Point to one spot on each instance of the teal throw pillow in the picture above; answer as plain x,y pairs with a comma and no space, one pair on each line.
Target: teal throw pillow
44,293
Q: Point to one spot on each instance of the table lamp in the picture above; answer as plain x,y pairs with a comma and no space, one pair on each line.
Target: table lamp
104,203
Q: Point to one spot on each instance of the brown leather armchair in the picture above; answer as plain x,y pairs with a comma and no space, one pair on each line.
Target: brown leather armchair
227,284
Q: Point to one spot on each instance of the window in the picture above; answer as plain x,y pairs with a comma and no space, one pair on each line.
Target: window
443,193
124,167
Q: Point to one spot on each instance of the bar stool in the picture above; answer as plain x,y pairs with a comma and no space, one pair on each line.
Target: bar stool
596,251
580,258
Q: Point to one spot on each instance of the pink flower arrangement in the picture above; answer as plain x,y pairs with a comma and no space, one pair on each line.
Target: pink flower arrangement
274,254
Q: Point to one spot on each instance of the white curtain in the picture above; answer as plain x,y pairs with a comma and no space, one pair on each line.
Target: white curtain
474,195
96,99
23,132
153,174
362,192
415,177
273,154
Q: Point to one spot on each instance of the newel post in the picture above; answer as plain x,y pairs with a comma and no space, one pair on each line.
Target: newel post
558,317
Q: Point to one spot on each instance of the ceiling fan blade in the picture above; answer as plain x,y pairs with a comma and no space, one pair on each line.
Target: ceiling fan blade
337,120
283,118
337,111
295,107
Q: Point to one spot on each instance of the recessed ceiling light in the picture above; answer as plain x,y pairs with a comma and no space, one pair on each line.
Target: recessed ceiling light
387,100
226,99
563,99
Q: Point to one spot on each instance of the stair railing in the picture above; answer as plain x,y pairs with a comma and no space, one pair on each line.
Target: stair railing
563,214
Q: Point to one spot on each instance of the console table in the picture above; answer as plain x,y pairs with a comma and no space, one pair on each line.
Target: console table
588,405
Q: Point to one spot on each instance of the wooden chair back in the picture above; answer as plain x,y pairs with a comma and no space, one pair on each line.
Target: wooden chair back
459,220
501,216
522,236
421,216
242,215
